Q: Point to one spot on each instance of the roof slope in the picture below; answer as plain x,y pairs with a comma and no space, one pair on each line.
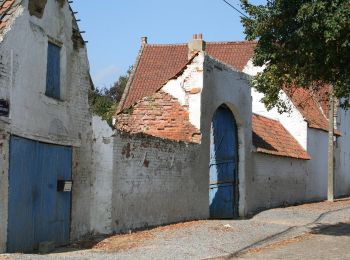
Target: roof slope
7,10
308,107
313,106
159,63
269,136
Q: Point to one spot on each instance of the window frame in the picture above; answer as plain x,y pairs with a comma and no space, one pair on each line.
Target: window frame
53,70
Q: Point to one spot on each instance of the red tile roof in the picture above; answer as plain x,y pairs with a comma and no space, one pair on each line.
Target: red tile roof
159,63
7,8
269,136
312,105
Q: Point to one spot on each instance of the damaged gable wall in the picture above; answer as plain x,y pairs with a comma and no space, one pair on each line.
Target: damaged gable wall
33,115
159,115
155,160
157,180
173,112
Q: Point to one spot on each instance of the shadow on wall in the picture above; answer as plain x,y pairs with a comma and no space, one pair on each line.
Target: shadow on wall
223,168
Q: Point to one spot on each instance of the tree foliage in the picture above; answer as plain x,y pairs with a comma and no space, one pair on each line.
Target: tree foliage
300,42
104,102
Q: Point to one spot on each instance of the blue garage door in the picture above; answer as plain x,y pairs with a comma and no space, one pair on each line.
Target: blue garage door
37,211
223,168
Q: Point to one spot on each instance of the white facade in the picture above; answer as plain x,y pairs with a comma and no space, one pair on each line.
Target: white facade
342,154
35,116
157,181
305,180
102,177
152,181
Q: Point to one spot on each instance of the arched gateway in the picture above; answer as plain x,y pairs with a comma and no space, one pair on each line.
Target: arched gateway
223,167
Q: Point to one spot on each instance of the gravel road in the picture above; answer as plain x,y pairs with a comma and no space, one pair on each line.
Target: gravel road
268,231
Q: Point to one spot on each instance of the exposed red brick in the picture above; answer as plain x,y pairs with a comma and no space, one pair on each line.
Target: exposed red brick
270,137
159,115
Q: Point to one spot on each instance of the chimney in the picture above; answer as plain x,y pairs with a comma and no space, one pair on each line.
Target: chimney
196,45
143,41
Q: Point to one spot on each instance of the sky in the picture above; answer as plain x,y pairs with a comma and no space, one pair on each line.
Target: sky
113,28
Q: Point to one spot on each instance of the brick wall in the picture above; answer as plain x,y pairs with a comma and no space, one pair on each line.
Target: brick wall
159,115
156,182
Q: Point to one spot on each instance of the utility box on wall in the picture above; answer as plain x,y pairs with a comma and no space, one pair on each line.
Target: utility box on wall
64,186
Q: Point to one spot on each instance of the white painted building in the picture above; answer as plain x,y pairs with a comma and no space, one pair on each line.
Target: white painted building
193,140
45,125
170,113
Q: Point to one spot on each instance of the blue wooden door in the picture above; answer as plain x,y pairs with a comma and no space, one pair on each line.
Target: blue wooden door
37,211
223,168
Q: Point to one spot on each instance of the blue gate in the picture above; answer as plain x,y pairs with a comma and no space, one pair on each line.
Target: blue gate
37,211
223,168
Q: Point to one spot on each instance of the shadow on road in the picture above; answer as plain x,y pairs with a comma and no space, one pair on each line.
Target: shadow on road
339,229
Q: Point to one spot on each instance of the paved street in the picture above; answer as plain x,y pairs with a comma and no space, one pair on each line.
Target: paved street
324,242
310,231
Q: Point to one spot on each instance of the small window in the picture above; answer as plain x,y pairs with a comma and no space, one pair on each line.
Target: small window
53,71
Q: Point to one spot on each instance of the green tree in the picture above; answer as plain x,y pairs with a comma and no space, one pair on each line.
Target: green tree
300,42
104,102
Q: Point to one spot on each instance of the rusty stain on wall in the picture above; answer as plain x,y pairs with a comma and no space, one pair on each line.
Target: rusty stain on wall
126,150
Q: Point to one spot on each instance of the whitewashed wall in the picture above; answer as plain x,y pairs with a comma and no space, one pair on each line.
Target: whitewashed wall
151,181
342,154
281,180
102,177
277,181
23,58
317,166
293,120
187,89
156,182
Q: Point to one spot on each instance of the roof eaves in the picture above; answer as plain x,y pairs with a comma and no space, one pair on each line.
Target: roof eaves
317,127
304,156
131,78
265,151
